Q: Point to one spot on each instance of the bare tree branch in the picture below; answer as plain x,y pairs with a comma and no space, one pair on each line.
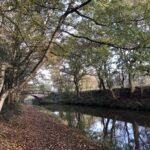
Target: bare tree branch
106,25
100,42
91,19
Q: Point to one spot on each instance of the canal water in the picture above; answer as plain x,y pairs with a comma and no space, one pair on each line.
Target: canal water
122,130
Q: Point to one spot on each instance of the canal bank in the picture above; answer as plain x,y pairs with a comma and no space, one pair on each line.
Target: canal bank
102,99
35,130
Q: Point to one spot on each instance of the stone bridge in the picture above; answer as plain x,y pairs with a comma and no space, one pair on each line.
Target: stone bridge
28,96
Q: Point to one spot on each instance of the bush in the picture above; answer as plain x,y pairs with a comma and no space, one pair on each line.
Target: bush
10,111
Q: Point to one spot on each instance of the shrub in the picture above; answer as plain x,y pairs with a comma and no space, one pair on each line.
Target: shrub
10,111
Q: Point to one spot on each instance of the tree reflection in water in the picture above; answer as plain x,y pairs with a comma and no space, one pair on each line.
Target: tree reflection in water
119,134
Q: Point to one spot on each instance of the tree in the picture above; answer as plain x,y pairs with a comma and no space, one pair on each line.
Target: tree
29,30
75,62
100,58
122,26
97,59
61,82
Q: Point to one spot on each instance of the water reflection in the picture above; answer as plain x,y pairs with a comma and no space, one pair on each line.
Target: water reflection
120,131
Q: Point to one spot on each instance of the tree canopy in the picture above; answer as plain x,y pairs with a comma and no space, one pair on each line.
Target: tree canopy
32,31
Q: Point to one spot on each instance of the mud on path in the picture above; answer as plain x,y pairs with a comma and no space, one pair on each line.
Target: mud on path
35,130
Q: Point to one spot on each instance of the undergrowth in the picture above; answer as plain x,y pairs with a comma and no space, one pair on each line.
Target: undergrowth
11,111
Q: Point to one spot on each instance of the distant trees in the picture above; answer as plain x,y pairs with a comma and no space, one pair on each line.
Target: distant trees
75,62
118,33
61,81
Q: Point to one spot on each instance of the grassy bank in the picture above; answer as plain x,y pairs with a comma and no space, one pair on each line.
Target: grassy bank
103,99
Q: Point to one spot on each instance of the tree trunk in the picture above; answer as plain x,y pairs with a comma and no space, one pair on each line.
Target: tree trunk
101,81
76,83
131,84
3,95
109,85
12,97
122,79
102,84
2,99
77,89
112,93
2,76
141,91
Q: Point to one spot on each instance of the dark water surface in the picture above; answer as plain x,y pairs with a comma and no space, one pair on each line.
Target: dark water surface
123,130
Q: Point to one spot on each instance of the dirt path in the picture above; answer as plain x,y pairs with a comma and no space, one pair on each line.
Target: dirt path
35,130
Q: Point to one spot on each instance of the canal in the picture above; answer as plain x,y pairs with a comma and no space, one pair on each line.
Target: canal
121,129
